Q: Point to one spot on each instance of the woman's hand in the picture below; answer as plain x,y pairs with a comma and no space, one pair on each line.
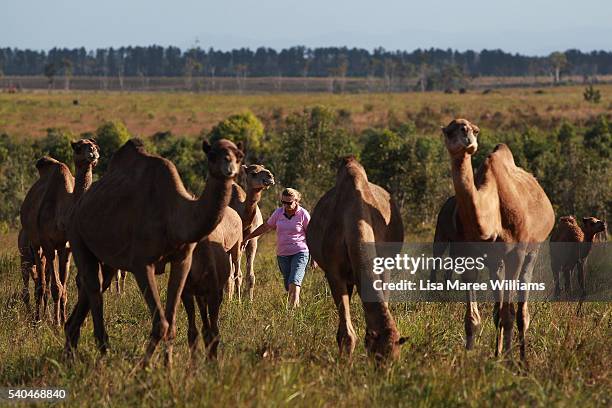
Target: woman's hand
243,245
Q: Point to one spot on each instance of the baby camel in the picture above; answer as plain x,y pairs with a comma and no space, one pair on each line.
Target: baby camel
564,258
211,267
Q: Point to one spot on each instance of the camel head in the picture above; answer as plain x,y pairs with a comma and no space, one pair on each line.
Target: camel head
86,152
224,158
258,177
460,137
383,347
593,226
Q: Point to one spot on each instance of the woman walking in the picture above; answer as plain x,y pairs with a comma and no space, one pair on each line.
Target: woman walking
290,222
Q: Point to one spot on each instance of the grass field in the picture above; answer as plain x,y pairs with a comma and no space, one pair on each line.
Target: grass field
29,114
273,357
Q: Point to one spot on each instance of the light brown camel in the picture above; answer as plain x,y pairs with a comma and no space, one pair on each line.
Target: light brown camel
500,203
258,178
46,224
211,267
349,215
137,216
570,246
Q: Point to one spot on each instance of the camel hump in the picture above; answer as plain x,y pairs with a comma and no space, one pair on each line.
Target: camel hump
132,148
44,162
351,169
567,230
502,152
568,220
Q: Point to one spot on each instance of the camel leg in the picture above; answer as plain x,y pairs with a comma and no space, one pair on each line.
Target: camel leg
522,319
231,282
28,268
145,278
192,330
567,275
213,338
471,320
178,275
56,284
117,281
89,298
123,275
72,328
581,272
345,336
251,250
513,263
64,270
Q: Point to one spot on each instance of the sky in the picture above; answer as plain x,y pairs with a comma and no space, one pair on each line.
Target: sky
534,27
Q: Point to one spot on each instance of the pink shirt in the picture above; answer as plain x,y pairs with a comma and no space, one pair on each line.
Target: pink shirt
290,233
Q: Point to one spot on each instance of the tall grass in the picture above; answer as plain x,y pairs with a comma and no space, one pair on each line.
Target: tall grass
270,356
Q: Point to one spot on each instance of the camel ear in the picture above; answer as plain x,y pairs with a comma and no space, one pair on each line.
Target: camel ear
75,145
206,146
444,130
240,146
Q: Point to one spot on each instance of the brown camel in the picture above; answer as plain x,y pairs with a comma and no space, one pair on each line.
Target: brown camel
46,223
564,258
500,203
211,268
352,213
137,216
258,178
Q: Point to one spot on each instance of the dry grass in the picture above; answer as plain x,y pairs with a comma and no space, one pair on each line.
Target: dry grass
187,114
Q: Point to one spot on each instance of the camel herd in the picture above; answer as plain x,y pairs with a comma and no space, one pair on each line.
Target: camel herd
138,217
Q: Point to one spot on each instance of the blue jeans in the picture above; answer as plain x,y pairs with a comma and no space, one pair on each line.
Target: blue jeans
293,268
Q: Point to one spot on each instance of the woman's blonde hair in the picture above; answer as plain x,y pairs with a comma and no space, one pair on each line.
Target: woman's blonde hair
291,192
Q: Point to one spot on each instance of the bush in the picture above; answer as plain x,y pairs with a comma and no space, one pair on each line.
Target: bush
245,128
110,137
57,145
592,95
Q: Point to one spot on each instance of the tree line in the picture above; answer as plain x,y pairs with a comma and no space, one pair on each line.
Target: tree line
570,161
299,61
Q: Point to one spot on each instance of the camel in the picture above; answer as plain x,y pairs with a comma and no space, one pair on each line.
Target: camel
500,203
258,178
138,217
564,258
352,213
211,267
45,218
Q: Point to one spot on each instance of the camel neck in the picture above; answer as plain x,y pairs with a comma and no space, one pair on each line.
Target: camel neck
465,190
82,180
253,196
205,213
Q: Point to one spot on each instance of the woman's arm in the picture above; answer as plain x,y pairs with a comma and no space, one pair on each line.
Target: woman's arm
262,229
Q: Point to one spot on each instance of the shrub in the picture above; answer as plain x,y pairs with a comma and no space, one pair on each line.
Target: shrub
110,137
